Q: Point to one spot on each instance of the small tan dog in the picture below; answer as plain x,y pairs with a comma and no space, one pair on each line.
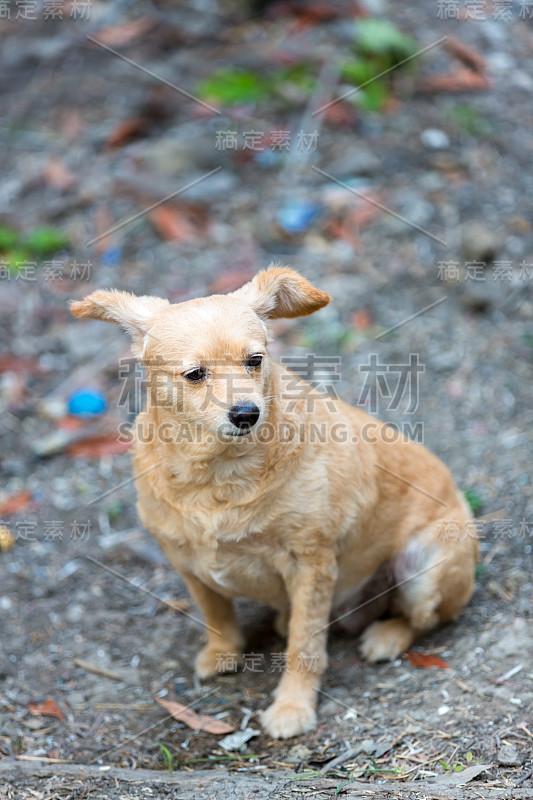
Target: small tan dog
307,523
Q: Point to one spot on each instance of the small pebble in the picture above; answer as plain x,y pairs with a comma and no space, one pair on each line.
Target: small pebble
7,540
508,756
298,753
434,139
478,242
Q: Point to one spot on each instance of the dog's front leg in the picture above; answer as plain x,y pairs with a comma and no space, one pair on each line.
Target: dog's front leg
310,588
224,638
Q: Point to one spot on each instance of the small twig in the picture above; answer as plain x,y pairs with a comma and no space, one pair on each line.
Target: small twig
44,759
429,761
522,727
339,760
511,673
104,673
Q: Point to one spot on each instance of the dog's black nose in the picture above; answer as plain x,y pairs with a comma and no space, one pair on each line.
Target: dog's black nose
244,415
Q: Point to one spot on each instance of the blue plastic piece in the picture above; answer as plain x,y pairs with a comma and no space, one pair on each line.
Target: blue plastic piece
296,216
111,256
87,403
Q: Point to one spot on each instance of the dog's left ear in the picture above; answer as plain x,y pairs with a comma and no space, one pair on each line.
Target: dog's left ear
131,312
282,292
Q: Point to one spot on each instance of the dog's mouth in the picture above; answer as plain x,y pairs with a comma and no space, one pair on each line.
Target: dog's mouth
241,432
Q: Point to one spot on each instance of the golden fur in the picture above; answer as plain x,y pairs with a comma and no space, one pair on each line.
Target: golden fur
312,522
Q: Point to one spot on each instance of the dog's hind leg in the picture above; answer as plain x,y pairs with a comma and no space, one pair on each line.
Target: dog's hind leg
433,580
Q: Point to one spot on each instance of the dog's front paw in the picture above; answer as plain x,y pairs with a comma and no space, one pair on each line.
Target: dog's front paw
213,661
284,719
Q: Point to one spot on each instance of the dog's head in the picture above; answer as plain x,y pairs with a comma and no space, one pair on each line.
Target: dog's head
208,357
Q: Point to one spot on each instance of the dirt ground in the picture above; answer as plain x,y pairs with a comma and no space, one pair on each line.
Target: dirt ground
438,265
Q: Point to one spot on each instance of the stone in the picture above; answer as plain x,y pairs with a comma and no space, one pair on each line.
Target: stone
508,756
298,753
434,139
516,641
359,159
382,748
234,741
478,243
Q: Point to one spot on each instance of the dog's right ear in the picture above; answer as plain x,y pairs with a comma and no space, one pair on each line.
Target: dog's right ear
282,292
133,313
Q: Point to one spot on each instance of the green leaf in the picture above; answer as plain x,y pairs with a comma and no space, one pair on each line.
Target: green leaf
458,767
527,338
474,500
114,510
358,70
300,75
444,764
380,37
469,119
229,86
8,238
469,757
374,96
480,570
307,775
46,241
168,755
17,259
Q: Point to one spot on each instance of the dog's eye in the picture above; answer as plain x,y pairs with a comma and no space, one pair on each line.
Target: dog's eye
253,362
195,375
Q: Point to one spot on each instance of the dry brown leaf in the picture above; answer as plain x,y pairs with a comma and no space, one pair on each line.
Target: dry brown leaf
193,720
361,319
26,365
427,660
58,175
230,280
365,212
118,35
96,446
312,13
102,222
47,709
461,80
126,130
15,503
340,114
173,224
337,230
69,423
465,53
